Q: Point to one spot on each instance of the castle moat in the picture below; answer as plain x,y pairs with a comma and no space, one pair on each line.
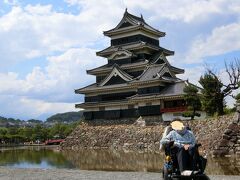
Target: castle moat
102,160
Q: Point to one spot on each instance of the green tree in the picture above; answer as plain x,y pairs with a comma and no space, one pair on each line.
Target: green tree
13,130
59,130
193,102
212,98
62,130
15,135
27,132
215,91
3,131
237,97
39,133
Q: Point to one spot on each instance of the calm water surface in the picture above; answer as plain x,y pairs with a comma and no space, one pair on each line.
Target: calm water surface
41,157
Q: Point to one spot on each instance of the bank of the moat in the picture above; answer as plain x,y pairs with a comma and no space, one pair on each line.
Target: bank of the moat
219,136
56,174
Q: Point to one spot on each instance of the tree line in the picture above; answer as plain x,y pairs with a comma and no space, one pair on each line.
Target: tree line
211,96
39,133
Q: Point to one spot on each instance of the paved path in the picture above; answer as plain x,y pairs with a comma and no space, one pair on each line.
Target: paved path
65,174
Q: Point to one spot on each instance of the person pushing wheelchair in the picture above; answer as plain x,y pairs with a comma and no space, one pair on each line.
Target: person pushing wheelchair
182,141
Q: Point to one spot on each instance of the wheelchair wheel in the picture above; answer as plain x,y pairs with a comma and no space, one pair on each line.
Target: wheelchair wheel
202,177
166,175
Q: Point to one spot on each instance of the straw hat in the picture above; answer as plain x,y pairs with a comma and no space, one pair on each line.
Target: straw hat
177,125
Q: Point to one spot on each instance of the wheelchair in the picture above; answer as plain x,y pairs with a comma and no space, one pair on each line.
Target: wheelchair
171,170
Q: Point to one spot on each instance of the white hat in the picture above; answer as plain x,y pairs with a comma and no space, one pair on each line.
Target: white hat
177,125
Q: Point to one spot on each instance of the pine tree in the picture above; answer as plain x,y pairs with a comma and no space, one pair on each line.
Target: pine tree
237,97
193,102
212,98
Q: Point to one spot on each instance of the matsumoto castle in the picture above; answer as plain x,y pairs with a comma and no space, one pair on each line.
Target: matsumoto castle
138,80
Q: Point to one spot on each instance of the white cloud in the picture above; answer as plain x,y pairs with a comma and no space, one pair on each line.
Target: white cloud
222,40
40,31
38,9
51,89
35,31
184,10
25,108
57,81
11,2
193,74
188,11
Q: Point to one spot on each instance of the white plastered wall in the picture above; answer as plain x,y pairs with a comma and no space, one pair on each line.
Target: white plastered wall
169,116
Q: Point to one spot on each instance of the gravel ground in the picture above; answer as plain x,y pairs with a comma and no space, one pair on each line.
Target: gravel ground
60,174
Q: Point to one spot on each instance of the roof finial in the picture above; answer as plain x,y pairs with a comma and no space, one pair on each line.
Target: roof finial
141,16
125,13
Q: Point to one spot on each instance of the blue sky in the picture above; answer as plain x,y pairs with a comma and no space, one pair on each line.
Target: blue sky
46,46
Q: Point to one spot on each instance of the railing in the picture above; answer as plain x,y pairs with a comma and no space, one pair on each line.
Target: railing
174,109
53,141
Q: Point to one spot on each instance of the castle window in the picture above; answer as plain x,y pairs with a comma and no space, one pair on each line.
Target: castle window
101,108
130,106
148,104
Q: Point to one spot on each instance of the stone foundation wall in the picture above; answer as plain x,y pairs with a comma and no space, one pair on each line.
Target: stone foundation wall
129,137
219,136
229,143
210,132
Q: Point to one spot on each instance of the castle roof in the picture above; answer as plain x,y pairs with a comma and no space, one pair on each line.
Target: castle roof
116,71
152,73
106,68
157,71
94,87
133,46
157,58
131,22
174,90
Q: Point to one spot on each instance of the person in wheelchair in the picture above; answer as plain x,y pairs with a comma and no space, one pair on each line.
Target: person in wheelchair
181,142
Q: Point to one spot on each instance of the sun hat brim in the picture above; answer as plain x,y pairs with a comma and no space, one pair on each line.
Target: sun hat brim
177,125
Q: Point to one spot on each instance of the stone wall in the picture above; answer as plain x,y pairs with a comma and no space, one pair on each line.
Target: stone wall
129,137
229,143
219,136
210,132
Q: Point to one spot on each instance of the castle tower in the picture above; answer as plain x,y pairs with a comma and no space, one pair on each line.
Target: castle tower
138,80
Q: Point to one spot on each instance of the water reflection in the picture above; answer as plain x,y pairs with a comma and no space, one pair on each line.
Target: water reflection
33,157
226,166
132,161
39,157
115,160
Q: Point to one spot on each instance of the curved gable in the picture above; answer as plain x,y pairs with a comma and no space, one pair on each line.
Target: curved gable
129,20
165,72
117,76
124,24
161,59
120,54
